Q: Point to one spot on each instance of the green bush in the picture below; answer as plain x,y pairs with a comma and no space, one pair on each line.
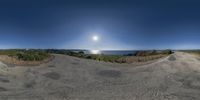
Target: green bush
168,51
32,55
81,52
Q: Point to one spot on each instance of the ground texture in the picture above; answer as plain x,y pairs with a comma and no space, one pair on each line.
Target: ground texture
176,77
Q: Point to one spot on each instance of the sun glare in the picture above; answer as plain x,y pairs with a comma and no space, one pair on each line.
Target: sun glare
95,51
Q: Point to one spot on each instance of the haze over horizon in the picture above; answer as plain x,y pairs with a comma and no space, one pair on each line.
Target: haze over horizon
119,24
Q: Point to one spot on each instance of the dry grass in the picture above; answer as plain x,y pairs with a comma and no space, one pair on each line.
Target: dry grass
15,61
138,59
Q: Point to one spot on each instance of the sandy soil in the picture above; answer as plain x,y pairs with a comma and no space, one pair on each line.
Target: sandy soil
176,77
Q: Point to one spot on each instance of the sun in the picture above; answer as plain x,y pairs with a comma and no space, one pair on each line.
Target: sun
95,38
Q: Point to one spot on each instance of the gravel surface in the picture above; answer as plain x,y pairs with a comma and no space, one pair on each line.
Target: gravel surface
176,77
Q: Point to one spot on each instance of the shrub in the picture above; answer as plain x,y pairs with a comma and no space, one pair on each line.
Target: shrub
81,52
144,53
89,57
32,55
168,51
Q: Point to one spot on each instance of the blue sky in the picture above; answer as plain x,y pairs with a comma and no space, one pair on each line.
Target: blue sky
120,24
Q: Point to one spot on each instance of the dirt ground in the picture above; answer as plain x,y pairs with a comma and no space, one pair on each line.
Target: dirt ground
176,77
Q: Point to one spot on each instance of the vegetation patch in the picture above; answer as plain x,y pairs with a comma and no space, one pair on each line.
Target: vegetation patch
196,52
139,56
153,52
24,56
35,55
31,55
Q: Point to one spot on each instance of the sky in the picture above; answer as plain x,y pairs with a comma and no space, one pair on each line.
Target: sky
119,24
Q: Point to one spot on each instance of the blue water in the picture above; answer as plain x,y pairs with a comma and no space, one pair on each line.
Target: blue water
115,52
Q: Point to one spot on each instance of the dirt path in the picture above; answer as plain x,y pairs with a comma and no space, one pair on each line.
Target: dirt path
176,77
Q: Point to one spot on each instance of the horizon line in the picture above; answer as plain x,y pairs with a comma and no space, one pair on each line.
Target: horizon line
98,49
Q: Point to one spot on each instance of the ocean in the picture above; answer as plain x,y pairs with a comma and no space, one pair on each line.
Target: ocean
111,52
